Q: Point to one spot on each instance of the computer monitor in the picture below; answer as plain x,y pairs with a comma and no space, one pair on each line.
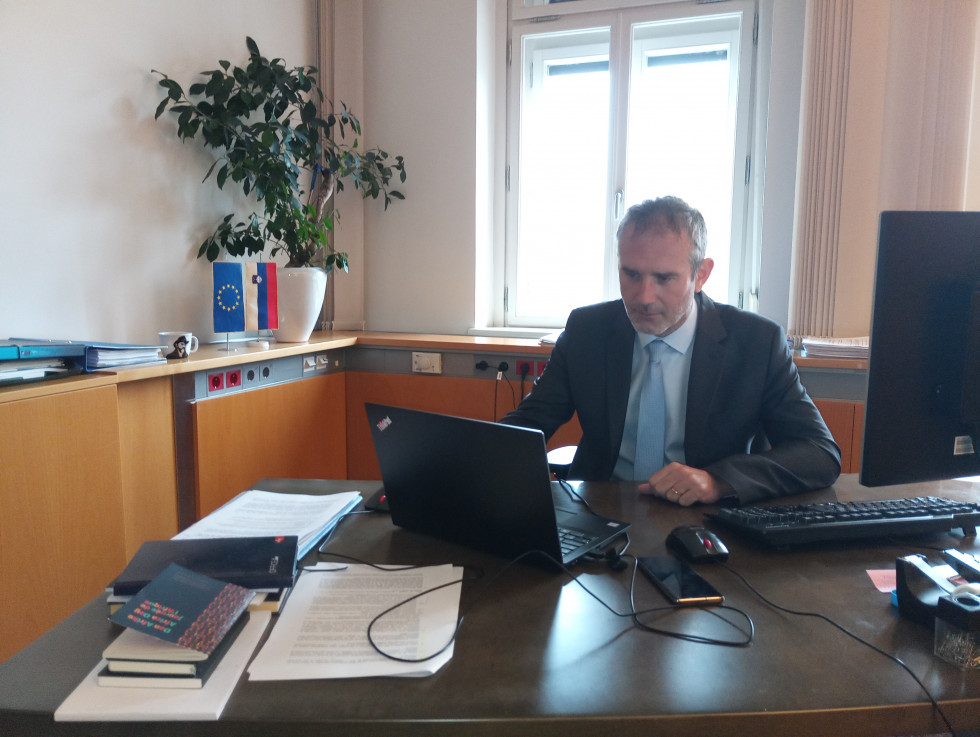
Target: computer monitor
922,415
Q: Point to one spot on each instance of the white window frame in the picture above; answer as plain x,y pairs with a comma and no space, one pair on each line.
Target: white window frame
580,14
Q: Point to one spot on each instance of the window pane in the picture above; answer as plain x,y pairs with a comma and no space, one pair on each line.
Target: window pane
653,102
563,172
681,133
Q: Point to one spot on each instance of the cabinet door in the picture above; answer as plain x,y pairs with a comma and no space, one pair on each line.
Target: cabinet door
845,420
294,430
61,508
149,460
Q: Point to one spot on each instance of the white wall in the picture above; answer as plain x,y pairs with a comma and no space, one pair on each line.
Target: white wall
421,101
101,207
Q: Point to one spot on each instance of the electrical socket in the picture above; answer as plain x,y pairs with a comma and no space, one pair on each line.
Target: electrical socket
525,368
257,374
426,363
233,379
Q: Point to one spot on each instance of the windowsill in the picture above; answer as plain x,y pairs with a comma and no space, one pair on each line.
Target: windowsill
490,332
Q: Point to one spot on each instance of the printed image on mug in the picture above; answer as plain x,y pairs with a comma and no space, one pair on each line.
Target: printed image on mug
178,343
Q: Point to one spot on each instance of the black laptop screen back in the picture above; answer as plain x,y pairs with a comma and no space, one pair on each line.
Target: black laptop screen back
478,483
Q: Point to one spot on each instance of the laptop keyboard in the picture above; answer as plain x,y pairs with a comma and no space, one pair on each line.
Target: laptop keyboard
572,539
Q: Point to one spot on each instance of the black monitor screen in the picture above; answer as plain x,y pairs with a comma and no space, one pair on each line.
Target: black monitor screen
922,417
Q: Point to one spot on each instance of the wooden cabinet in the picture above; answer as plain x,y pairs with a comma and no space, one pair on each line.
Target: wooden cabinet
86,476
294,430
149,461
846,423
61,508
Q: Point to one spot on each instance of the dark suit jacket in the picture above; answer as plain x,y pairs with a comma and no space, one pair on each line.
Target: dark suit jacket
744,394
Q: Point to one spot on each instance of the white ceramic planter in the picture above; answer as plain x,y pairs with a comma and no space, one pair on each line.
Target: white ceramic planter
301,291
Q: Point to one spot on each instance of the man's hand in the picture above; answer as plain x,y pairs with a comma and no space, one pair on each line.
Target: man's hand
684,485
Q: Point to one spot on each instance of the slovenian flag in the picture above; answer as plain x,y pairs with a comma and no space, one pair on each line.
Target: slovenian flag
261,296
229,297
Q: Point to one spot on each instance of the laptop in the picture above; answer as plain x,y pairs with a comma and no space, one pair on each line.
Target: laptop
480,484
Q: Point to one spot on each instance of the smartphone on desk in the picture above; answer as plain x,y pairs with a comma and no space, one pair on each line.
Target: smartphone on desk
680,583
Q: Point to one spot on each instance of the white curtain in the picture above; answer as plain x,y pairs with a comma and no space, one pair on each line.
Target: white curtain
924,122
827,65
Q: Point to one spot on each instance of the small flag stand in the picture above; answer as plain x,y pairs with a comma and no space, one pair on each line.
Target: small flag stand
245,297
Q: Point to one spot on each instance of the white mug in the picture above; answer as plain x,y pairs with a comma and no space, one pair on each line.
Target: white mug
178,343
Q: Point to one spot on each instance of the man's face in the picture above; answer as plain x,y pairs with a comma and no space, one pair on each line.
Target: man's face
655,279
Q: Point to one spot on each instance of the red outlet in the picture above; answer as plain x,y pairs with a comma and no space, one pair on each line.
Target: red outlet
233,378
216,382
541,365
525,368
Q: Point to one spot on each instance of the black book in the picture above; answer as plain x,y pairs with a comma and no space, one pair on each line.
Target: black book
252,562
140,660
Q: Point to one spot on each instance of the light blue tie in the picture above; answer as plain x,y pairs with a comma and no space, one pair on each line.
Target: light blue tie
651,425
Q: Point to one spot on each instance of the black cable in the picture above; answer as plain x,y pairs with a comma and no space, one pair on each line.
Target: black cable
459,622
322,542
575,496
632,614
523,374
744,642
853,636
502,376
495,383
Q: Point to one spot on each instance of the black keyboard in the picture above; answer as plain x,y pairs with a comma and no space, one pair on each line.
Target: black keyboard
799,524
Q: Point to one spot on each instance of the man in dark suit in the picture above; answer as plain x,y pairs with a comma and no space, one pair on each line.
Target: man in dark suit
734,420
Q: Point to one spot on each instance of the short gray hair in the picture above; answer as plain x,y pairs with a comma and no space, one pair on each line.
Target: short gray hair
673,214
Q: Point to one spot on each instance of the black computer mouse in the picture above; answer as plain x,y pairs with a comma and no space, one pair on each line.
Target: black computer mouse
697,544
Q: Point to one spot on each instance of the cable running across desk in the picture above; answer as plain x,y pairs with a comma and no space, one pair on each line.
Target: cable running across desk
633,614
893,658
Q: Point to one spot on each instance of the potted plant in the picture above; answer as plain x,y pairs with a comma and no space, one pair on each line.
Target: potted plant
273,140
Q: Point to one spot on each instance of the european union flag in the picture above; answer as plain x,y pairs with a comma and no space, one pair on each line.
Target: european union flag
229,297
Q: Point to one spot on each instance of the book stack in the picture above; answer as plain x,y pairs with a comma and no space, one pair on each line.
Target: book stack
266,565
139,660
178,628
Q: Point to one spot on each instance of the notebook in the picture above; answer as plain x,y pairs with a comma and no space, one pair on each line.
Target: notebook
479,484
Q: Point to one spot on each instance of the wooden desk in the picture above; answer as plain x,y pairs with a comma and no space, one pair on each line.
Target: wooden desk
536,655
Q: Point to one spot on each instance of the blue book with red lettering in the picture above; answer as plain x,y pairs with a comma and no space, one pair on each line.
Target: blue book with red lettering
185,608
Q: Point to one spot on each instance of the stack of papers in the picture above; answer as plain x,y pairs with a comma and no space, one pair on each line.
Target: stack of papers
35,369
256,513
323,631
836,347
